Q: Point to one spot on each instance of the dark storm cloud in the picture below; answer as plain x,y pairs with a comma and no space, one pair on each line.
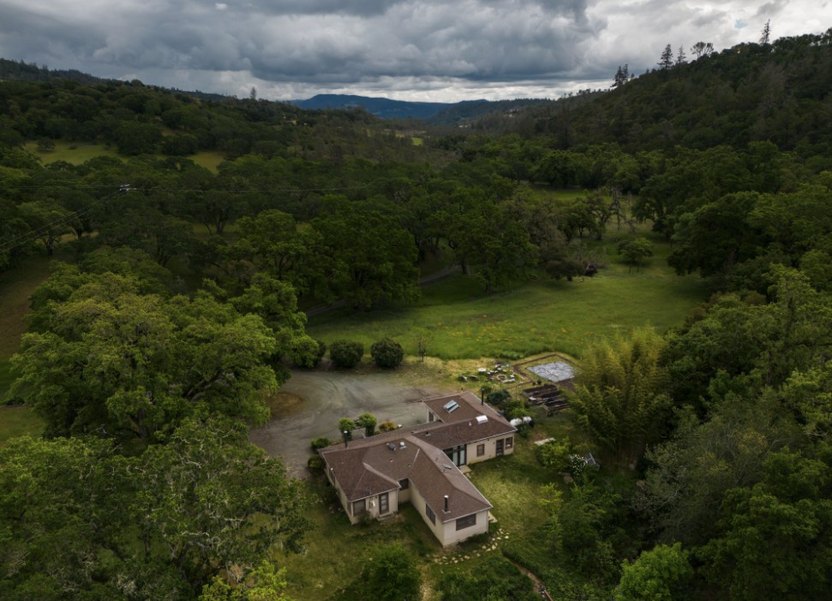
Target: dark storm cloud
308,39
291,45
317,7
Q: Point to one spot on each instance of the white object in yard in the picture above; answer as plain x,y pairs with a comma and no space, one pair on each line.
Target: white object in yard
521,420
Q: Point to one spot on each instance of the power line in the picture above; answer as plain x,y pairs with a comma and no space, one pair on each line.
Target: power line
33,235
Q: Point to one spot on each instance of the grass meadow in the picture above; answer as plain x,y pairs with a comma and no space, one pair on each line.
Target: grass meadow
77,153
16,286
458,321
74,153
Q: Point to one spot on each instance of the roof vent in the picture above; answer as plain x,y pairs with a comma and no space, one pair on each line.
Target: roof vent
450,406
402,445
391,446
481,419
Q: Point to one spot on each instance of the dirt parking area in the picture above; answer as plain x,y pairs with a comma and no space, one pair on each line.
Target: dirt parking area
310,404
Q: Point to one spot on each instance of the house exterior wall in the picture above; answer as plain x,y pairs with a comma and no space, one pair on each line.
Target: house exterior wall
446,533
404,495
371,506
418,501
374,505
451,536
347,506
490,448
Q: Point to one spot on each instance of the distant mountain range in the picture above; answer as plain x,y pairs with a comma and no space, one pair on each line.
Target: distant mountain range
439,113
435,113
384,108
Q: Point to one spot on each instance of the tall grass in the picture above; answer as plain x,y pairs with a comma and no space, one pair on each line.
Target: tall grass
458,321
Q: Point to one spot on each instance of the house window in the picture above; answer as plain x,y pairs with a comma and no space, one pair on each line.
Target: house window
509,442
466,522
404,484
383,503
430,514
480,450
359,507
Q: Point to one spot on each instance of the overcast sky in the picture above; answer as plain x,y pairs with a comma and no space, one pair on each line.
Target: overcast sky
438,50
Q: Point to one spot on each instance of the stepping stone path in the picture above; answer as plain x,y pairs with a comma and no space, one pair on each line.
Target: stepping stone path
453,558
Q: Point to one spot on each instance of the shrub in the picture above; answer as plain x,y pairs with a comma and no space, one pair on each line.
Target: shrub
496,578
388,426
498,397
320,443
515,408
307,352
391,575
346,354
315,463
367,421
636,251
345,424
555,455
387,353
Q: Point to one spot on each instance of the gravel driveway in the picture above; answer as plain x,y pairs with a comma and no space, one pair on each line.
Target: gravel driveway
310,404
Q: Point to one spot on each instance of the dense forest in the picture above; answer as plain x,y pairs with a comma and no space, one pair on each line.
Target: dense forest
179,296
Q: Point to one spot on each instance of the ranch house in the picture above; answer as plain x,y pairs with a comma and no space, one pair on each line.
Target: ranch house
421,465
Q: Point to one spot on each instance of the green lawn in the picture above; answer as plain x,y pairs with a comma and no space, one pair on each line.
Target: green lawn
336,552
16,285
77,153
458,321
18,421
210,159
549,193
5,377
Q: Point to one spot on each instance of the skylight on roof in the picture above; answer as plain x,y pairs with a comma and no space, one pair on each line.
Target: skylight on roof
450,406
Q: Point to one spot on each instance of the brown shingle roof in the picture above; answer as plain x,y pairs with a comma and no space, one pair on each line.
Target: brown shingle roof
434,475
370,469
469,407
451,435
460,426
371,466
